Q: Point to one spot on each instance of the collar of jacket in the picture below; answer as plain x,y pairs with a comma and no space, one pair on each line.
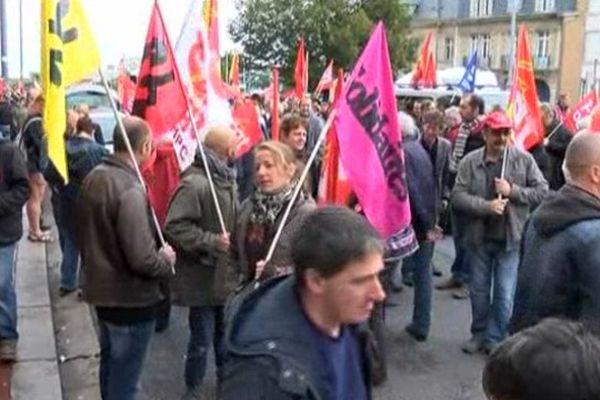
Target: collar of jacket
115,161
277,329
479,155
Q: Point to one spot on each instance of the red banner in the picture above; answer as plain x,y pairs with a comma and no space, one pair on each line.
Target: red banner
424,74
581,111
159,96
126,88
246,119
523,102
301,71
334,187
595,123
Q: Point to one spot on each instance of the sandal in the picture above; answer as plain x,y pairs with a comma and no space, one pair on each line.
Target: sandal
45,237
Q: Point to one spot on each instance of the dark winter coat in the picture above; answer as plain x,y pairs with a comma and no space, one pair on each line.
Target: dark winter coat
281,256
556,149
205,275
116,238
14,191
559,272
270,352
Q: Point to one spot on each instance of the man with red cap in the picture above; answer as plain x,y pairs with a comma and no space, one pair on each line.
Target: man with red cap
495,188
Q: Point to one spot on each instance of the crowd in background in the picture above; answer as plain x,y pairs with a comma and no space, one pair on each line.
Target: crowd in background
523,224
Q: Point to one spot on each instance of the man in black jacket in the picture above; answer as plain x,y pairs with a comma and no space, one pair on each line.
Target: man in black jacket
14,189
559,272
297,337
121,262
423,195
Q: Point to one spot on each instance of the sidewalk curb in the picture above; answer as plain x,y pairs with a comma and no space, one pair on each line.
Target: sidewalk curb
35,374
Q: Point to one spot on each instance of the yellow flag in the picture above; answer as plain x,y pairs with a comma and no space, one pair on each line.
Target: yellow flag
69,54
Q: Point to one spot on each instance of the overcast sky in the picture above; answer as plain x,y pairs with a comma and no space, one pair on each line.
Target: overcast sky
119,26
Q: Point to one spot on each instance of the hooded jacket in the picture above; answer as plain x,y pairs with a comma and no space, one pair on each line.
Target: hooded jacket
270,350
559,272
205,275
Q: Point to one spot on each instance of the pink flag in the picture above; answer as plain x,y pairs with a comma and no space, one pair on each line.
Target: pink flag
369,139
581,111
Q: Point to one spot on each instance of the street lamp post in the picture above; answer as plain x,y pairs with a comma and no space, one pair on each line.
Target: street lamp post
3,49
513,8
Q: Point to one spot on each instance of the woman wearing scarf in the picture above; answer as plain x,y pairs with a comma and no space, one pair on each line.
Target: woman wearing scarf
260,215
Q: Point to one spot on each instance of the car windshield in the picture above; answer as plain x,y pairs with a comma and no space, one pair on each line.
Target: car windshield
107,123
92,99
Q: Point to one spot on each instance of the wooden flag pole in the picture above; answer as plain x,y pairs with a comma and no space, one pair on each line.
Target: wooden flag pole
113,106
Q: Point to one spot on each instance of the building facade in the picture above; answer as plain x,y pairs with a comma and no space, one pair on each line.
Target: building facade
590,72
556,37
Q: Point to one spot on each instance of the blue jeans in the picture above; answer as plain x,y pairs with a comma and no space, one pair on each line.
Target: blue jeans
123,350
420,264
492,286
8,296
460,266
207,327
63,214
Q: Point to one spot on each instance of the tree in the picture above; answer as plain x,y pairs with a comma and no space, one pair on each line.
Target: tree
269,31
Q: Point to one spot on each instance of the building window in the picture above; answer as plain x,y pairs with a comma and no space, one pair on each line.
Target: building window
542,44
544,5
449,49
481,8
482,44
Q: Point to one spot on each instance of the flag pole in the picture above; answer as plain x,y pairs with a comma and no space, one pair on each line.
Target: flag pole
503,170
113,106
311,159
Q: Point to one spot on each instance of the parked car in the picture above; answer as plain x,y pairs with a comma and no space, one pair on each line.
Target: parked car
92,94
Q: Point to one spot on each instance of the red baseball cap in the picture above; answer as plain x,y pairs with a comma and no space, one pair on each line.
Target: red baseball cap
497,120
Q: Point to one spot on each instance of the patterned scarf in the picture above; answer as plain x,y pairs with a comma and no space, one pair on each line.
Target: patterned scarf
267,207
465,130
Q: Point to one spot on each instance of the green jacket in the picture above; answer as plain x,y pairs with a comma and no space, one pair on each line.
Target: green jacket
205,275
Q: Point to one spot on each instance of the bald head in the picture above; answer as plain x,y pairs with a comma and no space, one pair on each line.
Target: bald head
221,140
582,154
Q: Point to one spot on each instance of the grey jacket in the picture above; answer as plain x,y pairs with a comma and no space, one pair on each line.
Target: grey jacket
281,255
205,275
469,194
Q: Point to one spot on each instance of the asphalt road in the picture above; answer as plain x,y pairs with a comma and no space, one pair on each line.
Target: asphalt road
434,370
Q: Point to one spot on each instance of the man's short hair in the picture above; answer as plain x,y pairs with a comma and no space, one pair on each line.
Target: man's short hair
435,117
330,238
554,360
137,132
476,101
581,154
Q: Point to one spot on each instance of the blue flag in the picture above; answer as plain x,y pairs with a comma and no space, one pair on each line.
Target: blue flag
467,83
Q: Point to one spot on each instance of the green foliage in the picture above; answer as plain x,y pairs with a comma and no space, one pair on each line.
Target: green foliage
269,31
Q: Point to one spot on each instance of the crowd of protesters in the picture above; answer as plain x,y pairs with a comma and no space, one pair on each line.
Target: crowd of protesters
294,322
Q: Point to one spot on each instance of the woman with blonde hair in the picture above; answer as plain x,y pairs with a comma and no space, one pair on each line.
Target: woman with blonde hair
275,172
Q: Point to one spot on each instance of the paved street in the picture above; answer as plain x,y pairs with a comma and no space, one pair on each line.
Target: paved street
433,370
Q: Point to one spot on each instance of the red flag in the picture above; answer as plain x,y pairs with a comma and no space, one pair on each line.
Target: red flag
334,187
234,72
582,110
125,87
275,105
1,87
246,118
161,173
301,71
326,81
595,123
523,101
424,74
